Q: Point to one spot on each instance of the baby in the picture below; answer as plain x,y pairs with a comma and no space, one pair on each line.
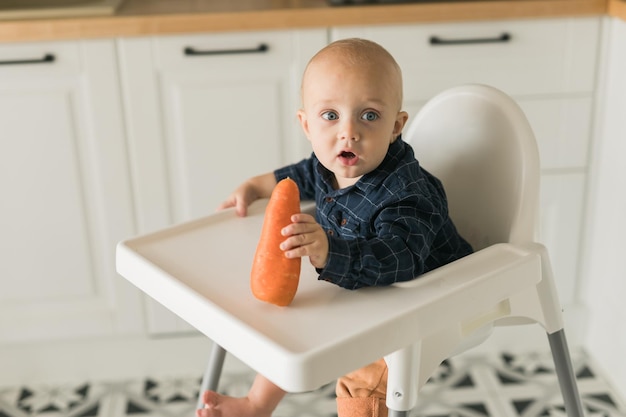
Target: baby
380,218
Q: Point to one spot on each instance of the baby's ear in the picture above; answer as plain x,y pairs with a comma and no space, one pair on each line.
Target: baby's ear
303,122
401,119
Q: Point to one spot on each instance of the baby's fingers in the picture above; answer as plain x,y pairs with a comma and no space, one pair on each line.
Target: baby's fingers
241,207
295,240
299,230
315,246
303,218
226,204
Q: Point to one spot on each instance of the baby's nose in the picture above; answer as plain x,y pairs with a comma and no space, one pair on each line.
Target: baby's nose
349,130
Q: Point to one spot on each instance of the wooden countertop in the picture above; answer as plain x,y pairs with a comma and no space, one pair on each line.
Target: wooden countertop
155,17
617,8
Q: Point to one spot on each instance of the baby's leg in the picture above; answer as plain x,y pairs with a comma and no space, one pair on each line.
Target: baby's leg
261,401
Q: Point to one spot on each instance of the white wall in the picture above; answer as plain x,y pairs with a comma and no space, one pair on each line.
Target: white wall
604,269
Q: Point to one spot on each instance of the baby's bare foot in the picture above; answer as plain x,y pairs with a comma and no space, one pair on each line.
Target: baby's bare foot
217,405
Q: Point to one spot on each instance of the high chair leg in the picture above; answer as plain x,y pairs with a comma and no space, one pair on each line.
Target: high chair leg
211,377
565,374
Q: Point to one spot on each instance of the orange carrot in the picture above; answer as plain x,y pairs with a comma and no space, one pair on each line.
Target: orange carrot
274,278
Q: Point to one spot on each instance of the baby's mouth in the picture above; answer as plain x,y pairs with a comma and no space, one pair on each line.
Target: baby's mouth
348,158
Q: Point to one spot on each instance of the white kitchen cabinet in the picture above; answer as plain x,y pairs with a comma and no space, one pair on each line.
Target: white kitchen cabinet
66,198
206,112
549,67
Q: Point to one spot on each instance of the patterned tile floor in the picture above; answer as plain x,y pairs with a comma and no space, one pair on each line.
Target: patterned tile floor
504,385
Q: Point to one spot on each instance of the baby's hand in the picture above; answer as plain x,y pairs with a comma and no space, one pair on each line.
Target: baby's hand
240,199
305,237
251,190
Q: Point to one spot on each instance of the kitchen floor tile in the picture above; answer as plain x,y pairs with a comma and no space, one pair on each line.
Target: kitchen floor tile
504,385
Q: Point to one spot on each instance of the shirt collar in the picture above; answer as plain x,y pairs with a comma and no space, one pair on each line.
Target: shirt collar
375,178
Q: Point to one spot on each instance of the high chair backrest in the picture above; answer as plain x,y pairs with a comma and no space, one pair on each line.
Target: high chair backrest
478,142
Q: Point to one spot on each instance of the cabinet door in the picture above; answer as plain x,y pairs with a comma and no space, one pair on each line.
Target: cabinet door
65,197
208,112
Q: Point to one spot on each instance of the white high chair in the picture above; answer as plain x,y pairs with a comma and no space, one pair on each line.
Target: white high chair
479,143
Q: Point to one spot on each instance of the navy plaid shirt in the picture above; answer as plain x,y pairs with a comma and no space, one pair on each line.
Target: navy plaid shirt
391,226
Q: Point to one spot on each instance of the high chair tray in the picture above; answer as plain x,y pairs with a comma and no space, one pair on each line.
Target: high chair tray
200,270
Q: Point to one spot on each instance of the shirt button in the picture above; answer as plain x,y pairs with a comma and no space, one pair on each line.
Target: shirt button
344,222
331,233
329,199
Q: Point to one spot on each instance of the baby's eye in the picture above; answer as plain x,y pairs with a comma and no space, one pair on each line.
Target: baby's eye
370,116
330,115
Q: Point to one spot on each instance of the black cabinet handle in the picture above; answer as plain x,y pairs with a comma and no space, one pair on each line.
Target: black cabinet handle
190,51
437,41
47,58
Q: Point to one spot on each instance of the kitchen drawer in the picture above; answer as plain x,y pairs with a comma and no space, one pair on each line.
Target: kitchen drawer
235,52
520,57
50,58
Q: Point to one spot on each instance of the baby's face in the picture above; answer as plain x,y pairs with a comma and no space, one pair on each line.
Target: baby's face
350,115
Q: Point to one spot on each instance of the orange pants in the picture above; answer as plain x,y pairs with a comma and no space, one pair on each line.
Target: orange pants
362,393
